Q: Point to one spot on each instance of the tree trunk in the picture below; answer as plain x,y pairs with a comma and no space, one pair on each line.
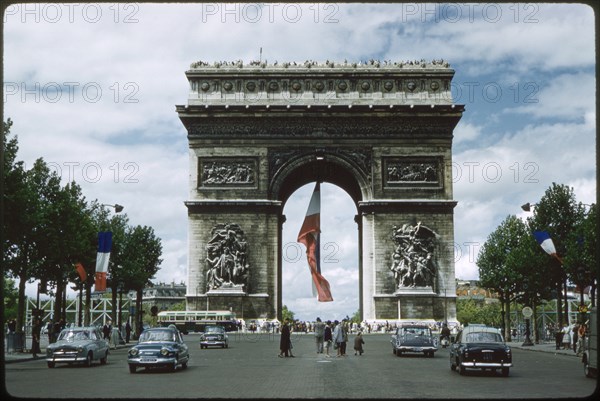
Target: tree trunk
138,311
21,305
559,311
508,334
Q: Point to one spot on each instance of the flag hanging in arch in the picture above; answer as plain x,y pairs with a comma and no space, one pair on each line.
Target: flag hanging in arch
309,236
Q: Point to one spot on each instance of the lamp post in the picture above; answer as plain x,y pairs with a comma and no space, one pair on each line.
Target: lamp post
527,207
118,208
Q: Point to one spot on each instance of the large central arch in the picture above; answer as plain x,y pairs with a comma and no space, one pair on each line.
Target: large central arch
381,133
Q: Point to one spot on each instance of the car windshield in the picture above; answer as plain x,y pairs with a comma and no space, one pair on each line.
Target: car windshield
71,335
483,337
412,332
157,335
213,329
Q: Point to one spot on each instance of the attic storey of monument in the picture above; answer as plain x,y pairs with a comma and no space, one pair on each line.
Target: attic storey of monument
382,131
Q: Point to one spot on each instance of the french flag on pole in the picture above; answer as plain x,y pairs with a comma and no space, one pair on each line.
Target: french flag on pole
309,236
543,238
102,258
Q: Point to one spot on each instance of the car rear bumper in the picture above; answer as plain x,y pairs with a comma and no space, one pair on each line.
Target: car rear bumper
149,361
214,343
486,364
416,349
66,358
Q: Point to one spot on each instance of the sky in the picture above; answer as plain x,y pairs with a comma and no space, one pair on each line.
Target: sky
92,89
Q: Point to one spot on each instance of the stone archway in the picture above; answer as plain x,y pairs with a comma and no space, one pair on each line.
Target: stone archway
383,133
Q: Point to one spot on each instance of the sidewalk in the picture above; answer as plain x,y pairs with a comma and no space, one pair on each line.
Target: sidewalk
543,347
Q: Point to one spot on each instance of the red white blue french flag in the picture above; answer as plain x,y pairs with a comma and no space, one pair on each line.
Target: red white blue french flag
102,258
309,236
543,238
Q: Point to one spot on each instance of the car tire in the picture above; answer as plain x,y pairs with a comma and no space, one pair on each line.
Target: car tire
132,368
88,360
398,353
452,366
394,351
505,372
184,365
461,369
105,359
51,365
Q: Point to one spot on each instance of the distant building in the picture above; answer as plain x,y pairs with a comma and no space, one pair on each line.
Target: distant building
162,295
469,289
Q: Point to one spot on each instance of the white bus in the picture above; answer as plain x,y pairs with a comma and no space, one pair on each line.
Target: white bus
196,321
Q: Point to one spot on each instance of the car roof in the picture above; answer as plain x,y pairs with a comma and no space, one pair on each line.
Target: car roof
480,329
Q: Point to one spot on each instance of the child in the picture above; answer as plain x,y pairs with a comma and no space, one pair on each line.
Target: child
358,342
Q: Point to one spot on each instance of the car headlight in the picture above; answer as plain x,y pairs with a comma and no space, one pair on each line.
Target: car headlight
134,351
80,350
164,351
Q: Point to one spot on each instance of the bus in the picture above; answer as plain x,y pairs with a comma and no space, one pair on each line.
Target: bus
196,321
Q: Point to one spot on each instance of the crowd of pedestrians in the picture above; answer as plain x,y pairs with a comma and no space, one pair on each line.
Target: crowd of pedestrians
327,335
571,337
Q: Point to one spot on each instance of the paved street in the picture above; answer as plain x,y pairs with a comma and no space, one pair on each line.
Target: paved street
250,369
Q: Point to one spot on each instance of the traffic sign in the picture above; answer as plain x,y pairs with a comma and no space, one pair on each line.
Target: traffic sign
527,312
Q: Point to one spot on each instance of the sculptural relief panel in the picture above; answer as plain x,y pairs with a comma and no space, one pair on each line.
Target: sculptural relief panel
414,259
234,172
412,172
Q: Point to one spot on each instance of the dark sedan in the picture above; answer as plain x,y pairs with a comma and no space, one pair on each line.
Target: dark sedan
480,347
214,336
159,347
414,338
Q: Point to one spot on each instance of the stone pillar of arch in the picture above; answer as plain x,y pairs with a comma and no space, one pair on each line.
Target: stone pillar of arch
380,131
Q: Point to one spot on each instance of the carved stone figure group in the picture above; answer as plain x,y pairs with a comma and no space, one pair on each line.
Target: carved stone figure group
413,263
228,173
227,257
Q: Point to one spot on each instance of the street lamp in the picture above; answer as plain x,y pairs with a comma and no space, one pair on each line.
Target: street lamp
527,207
118,208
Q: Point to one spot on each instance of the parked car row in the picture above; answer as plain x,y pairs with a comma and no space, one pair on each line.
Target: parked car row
474,347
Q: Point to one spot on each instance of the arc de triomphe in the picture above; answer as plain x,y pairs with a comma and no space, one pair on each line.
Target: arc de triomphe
381,131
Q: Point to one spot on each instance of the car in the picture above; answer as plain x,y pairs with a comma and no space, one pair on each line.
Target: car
413,338
214,336
159,347
480,347
78,345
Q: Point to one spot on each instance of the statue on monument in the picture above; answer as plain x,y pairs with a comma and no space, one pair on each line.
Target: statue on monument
227,258
412,261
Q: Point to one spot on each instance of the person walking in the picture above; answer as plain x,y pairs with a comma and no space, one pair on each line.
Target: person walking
345,328
358,344
319,335
36,332
581,342
285,342
338,337
566,339
575,336
327,338
106,331
127,331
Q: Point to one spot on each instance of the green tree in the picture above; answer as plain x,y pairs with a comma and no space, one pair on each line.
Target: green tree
582,251
500,267
286,313
558,213
10,299
477,311
143,250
